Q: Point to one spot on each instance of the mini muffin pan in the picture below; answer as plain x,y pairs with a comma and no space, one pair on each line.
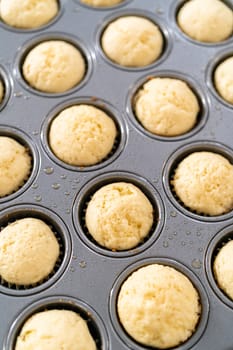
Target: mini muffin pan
87,277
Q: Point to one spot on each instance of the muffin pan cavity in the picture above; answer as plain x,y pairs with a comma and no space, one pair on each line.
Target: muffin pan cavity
202,99
24,140
6,84
28,46
203,302
210,75
175,160
163,29
85,195
120,139
218,242
174,12
87,313
11,215
102,7
27,26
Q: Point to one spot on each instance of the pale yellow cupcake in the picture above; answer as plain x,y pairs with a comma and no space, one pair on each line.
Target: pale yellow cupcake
54,66
1,91
208,21
166,106
158,306
223,268
223,79
82,135
101,3
15,165
28,14
119,216
203,181
28,251
55,330
132,41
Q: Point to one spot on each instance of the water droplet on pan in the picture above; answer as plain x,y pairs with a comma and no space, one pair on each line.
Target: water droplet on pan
18,94
38,198
173,214
48,170
159,11
196,264
82,264
165,244
56,186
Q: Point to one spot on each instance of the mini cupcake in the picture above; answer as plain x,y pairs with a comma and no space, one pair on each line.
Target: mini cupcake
119,216
54,330
28,252
132,41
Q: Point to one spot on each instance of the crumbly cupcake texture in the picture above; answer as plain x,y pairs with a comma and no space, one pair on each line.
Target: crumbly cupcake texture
132,41
55,329
15,165
28,14
119,216
203,181
54,66
223,270
1,91
166,106
101,3
28,251
223,79
82,135
158,306
208,21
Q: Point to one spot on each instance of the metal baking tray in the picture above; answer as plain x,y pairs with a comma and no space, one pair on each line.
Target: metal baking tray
88,277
